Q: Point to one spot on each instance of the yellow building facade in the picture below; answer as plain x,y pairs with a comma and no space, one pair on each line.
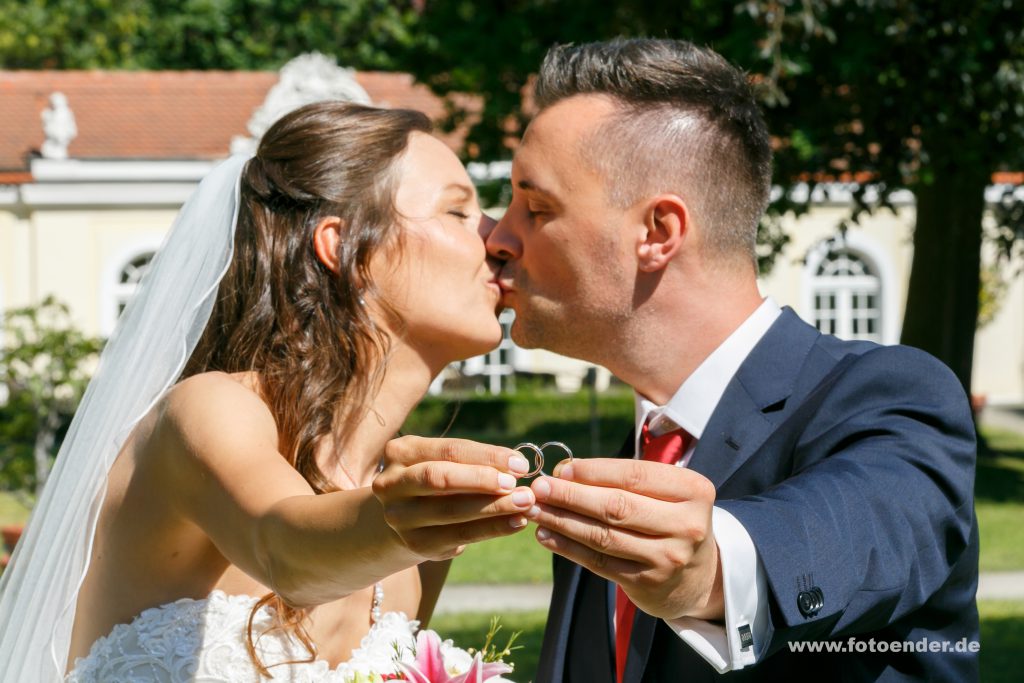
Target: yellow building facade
82,226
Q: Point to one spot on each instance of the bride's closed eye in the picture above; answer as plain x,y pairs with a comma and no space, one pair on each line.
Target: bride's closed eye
458,214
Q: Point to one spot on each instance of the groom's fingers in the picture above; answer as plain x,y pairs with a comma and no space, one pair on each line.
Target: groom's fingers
650,479
599,538
603,541
606,566
611,506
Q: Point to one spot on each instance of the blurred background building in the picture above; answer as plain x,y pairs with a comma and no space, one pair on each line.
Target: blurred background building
95,164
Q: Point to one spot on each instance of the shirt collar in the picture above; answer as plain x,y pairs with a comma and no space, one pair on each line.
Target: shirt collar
694,402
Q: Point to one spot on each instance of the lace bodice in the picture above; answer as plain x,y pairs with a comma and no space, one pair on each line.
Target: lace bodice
204,641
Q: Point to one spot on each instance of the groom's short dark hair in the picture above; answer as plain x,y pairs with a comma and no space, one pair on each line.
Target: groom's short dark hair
687,123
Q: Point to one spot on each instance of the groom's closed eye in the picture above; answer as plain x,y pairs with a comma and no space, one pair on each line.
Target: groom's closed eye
534,211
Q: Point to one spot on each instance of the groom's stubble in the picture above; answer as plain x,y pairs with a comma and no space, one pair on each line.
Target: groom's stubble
583,324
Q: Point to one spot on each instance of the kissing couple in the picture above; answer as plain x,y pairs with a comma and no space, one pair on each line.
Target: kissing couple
231,502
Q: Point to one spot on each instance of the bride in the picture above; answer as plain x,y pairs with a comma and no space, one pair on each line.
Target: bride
211,515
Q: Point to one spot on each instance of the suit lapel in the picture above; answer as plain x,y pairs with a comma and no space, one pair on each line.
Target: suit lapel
556,634
754,402
640,641
751,408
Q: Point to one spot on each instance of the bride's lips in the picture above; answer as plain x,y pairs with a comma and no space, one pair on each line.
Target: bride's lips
507,293
494,285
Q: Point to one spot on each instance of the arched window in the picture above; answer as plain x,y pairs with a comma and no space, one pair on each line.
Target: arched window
121,279
129,279
847,296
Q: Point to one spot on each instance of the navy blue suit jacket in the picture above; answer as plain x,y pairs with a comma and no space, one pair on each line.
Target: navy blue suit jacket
851,465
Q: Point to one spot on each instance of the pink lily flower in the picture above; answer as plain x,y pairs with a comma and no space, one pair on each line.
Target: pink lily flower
429,665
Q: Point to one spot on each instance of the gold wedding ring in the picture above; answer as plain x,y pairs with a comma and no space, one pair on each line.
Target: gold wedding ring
539,451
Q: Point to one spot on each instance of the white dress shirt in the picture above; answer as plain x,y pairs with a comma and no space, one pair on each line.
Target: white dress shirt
743,580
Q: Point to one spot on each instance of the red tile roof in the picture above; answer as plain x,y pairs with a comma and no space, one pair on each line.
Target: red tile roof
158,114
173,114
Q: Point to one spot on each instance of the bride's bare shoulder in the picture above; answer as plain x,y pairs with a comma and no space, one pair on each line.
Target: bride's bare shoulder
213,407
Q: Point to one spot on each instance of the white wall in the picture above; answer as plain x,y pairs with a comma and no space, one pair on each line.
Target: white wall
72,254
999,346
884,240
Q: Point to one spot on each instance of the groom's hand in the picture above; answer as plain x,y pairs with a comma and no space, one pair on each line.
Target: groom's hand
644,525
440,494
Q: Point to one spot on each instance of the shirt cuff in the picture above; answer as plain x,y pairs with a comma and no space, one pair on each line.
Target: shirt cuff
747,630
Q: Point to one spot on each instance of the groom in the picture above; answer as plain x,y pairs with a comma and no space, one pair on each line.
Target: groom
782,487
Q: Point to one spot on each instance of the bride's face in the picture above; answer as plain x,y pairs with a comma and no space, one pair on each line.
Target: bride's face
441,282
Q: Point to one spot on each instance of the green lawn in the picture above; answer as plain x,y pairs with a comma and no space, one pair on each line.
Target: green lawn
12,511
512,559
999,492
1002,636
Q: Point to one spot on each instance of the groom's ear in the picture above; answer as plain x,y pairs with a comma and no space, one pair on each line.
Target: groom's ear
666,220
327,242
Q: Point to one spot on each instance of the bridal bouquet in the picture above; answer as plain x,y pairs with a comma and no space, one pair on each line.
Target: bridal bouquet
442,662
425,659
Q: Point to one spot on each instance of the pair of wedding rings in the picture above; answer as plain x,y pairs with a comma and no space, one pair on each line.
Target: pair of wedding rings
539,452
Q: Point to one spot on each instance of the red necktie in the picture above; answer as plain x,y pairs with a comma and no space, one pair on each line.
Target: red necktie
667,448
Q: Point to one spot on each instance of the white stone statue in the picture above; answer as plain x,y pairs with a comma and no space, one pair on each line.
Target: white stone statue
311,77
59,127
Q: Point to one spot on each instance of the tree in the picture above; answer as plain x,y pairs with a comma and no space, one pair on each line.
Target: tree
45,364
925,95
492,49
198,34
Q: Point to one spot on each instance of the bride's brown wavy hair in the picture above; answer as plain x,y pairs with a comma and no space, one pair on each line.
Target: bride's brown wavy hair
282,314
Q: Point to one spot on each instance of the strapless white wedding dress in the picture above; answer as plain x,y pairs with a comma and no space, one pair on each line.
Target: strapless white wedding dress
204,641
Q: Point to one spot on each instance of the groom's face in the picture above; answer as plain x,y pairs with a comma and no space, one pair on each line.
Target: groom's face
569,255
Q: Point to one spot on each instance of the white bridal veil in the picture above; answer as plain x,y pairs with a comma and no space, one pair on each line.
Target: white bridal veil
143,358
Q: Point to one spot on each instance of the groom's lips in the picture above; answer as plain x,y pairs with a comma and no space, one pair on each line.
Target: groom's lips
505,281
507,293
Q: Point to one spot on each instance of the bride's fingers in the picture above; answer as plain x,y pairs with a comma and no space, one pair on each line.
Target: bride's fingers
409,450
441,478
445,542
431,511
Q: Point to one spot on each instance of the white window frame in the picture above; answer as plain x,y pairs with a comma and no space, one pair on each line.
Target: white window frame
112,292
878,263
499,376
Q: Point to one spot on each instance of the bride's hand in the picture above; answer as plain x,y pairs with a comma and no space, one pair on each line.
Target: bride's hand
441,494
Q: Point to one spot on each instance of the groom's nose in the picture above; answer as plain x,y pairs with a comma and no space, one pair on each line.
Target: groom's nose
502,242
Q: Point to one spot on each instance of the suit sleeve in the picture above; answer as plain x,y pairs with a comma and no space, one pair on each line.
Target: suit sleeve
879,505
